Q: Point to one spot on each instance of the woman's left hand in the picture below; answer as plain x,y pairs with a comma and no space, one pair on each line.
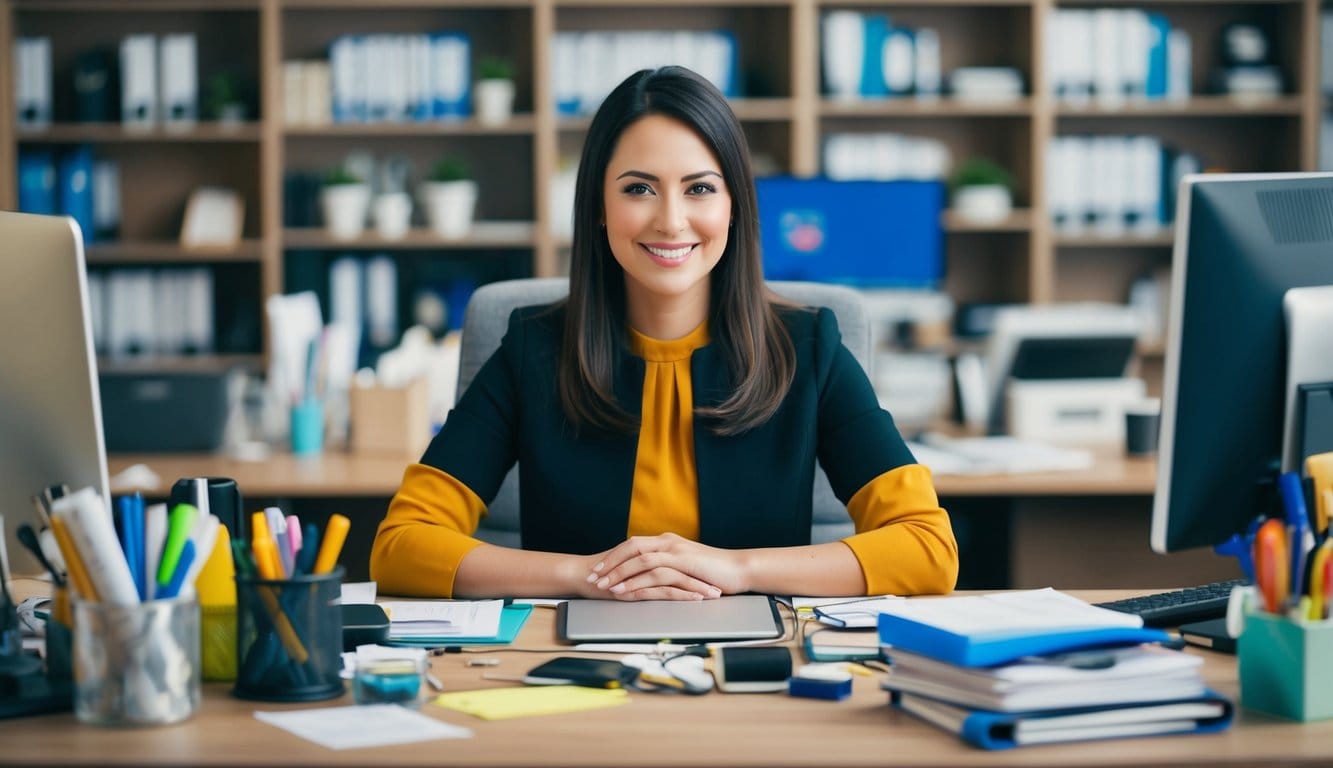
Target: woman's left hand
668,566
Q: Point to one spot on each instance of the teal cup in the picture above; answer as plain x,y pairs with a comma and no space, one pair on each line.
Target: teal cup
307,427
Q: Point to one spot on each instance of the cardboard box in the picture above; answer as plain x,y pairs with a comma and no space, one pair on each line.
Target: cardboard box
392,420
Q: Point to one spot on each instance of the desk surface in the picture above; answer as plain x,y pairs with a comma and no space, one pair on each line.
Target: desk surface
344,474
652,730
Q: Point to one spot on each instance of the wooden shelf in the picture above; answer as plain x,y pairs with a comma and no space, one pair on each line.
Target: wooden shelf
912,107
1198,106
485,235
179,363
518,125
109,133
1020,220
169,252
1021,259
1163,239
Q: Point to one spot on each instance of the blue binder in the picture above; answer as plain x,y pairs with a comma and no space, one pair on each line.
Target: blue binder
1004,730
991,648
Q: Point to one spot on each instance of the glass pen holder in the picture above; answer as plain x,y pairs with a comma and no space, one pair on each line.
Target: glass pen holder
136,664
289,637
1286,666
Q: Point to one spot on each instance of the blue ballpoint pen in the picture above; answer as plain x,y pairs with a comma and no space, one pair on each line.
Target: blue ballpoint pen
1300,537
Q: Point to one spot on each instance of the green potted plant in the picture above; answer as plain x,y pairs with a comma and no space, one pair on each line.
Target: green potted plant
982,190
225,101
493,93
344,199
449,197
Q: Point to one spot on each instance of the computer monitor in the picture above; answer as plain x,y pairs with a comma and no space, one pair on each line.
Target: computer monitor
1242,241
50,411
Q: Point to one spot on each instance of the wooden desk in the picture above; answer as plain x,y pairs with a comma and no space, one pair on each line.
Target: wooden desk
1086,529
652,730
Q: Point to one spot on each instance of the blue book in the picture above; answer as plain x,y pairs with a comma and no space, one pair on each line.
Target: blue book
76,188
451,75
1159,29
1208,713
37,182
985,630
876,28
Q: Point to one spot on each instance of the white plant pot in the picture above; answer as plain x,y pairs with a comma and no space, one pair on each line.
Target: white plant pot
449,206
983,204
392,212
493,101
344,207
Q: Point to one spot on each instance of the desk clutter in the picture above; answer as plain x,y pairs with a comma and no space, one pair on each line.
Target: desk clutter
152,599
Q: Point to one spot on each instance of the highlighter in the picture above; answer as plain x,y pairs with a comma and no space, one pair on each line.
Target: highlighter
180,524
216,583
335,533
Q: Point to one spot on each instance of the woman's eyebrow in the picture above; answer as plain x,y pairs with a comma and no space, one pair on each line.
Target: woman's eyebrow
650,177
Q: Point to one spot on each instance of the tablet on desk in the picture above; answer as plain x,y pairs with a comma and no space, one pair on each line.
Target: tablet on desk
734,617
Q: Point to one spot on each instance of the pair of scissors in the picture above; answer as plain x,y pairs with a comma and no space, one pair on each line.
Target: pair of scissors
1272,565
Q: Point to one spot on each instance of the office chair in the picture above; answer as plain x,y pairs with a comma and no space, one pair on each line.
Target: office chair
487,318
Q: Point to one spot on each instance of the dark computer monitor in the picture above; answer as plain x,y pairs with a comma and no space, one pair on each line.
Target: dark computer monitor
1242,241
50,412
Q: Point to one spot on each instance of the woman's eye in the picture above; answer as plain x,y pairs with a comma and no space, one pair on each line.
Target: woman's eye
637,188
701,188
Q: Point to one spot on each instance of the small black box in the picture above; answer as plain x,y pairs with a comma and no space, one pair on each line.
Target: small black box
364,624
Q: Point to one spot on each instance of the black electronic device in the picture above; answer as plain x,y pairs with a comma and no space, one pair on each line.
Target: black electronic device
164,410
1211,634
1179,606
364,624
589,673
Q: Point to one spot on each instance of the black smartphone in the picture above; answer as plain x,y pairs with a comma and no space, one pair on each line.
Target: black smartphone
590,673
1210,634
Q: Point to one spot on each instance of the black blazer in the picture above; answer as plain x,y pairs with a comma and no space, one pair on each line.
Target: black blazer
755,489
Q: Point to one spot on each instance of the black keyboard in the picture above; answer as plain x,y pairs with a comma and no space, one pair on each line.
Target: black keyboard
1171,609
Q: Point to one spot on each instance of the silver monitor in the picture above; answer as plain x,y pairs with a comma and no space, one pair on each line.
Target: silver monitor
50,410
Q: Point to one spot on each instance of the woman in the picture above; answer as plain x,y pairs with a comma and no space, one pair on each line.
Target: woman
674,455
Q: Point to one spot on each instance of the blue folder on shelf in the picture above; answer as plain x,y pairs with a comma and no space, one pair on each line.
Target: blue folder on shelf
512,618
1208,713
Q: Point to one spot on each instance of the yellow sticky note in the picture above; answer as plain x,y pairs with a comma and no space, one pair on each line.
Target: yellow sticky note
527,701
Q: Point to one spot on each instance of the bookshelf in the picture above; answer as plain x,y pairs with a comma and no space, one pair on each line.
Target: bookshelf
781,105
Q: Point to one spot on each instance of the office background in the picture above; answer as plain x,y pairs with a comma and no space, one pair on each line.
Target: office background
1223,102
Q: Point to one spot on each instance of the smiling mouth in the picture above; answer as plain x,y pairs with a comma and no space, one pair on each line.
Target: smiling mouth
669,254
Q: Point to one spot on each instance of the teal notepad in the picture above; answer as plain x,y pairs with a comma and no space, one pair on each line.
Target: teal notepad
512,618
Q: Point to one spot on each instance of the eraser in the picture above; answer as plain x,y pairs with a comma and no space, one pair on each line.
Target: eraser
821,681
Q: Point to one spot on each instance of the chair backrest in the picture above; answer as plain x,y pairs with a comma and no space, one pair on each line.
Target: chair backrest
487,318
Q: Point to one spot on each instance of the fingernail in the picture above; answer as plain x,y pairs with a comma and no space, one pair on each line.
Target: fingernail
598,568
618,588
592,577
714,591
602,582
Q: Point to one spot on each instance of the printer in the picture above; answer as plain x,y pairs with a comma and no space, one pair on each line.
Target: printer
163,411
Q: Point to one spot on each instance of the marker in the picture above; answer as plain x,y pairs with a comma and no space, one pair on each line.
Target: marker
1300,539
154,537
179,527
178,575
78,575
335,533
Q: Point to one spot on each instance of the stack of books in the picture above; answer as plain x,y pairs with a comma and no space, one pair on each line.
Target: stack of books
1040,667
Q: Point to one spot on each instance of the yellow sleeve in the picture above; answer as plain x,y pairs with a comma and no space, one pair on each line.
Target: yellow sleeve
425,534
903,538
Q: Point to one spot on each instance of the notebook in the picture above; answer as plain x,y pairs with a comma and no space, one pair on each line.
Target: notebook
734,617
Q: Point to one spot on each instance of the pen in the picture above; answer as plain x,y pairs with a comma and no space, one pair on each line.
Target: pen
1301,540
179,525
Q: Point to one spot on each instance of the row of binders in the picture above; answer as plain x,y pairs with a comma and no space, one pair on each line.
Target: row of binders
392,78
587,65
1113,54
158,77
1114,185
866,56
1039,666
71,182
166,311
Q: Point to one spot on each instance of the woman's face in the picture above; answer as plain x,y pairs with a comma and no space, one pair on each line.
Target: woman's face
667,218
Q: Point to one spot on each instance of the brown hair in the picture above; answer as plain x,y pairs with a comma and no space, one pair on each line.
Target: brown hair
742,318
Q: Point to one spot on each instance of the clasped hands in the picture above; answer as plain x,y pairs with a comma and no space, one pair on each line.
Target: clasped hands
663,567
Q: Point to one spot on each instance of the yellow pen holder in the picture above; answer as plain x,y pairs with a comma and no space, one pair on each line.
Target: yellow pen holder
217,642
1286,666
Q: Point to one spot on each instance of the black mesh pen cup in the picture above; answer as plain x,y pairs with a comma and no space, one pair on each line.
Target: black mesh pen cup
289,637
